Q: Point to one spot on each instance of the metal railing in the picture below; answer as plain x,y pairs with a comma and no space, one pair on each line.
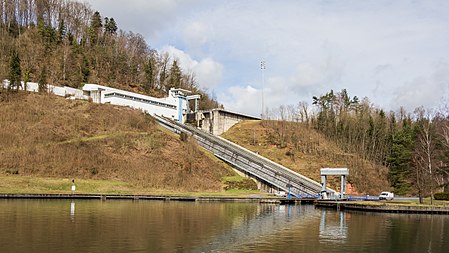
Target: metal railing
249,162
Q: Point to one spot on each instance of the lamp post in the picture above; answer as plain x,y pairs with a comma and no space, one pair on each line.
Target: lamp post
262,69
73,186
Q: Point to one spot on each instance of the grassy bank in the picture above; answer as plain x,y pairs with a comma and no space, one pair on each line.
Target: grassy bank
408,203
396,206
46,140
14,184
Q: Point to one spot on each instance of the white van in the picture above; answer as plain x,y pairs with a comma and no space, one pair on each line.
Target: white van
386,196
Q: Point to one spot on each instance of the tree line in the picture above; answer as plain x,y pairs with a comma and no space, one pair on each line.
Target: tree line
412,146
64,42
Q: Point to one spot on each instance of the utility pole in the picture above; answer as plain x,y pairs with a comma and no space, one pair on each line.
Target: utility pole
262,69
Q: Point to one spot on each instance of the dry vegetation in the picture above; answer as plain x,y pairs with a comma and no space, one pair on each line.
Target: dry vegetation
306,151
66,42
47,136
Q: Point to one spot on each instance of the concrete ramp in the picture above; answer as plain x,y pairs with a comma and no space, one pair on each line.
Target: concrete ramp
267,171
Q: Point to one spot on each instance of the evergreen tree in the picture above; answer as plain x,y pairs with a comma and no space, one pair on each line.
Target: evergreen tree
62,29
15,72
70,40
13,28
401,158
85,70
95,28
149,74
175,75
48,34
43,79
110,26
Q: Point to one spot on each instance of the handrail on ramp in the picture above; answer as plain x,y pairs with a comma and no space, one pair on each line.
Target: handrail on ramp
249,162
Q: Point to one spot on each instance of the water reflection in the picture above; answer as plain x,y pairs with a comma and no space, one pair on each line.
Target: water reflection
72,211
269,219
146,226
333,230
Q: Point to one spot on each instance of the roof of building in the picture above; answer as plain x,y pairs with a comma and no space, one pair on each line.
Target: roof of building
108,90
249,117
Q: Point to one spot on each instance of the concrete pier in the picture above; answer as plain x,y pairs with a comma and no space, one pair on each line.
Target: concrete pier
103,197
383,208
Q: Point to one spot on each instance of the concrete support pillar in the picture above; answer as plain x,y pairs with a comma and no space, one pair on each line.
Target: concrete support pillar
323,183
343,186
323,187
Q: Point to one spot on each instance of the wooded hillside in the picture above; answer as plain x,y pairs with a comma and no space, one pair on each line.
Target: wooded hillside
306,151
412,146
64,42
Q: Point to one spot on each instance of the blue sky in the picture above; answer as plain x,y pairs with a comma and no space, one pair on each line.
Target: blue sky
396,53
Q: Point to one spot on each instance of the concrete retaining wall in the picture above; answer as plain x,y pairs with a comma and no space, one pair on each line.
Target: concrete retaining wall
392,208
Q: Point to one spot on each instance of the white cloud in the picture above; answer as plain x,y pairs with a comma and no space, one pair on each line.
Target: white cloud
380,49
196,33
423,91
276,92
150,18
306,81
208,72
307,75
243,99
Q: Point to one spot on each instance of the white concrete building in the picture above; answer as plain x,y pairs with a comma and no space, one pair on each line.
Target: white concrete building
175,106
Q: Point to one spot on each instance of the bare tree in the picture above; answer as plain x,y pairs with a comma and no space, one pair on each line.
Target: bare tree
291,113
425,147
164,59
303,111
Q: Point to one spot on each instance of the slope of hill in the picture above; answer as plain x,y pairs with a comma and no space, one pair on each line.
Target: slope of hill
304,150
47,136
69,43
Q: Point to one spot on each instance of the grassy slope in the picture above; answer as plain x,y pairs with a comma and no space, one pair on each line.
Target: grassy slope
311,153
45,141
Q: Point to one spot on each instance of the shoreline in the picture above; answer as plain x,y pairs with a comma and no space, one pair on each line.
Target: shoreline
103,197
386,207
365,206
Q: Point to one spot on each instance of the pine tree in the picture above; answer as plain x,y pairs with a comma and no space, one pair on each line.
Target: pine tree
149,74
401,158
85,70
175,76
43,79
15,72
95,28
110,26
13,28
113,26
76,45
62,30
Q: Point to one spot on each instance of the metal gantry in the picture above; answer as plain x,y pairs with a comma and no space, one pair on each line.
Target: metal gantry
251,163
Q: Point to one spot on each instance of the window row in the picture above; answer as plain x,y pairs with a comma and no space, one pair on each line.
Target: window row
147,101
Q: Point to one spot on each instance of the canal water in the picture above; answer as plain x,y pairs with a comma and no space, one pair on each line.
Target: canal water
157,226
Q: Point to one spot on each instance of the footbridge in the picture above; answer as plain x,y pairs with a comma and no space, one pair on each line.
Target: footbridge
267,171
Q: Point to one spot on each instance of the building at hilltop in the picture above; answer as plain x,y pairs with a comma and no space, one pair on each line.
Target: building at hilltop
180,105
175,106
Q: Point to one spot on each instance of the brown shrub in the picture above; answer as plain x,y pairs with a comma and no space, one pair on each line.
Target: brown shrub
307,152
51,136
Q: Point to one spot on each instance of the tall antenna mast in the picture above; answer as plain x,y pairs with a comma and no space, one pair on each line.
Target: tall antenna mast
262,69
